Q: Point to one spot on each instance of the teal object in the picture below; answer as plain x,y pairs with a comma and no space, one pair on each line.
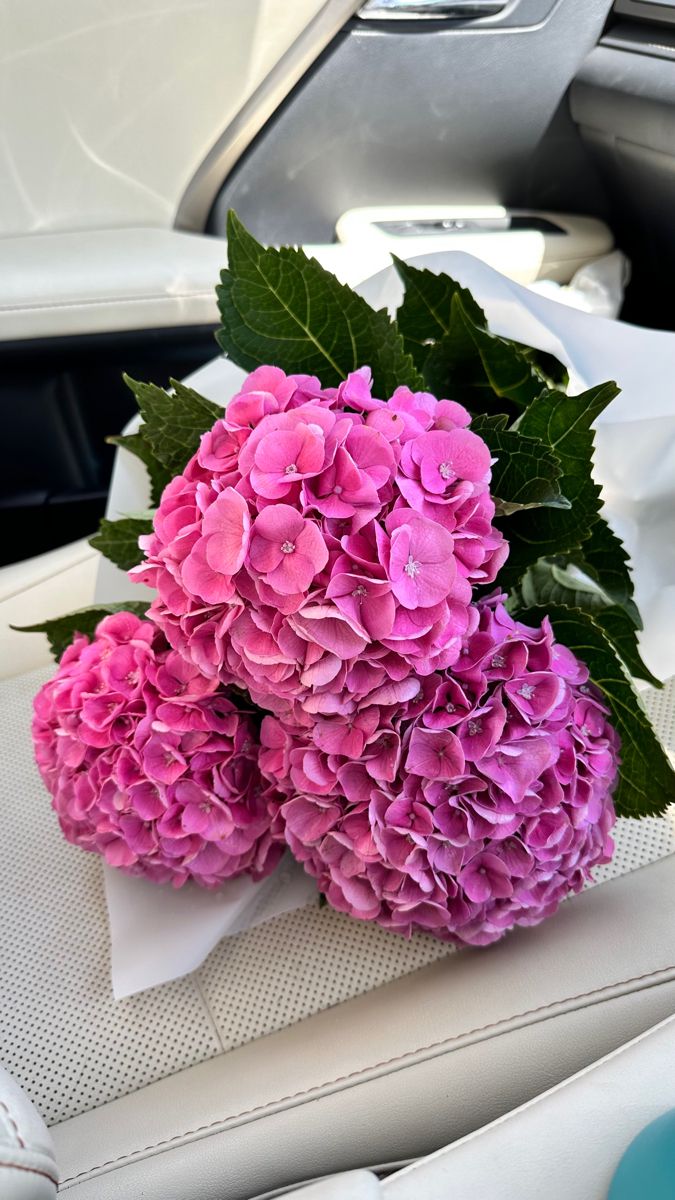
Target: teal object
647,1169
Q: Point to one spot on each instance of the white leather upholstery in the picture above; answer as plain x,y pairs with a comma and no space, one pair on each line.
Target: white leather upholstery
565,1145
112,108
106,280
45,586
351,1185
398,1071
27,1166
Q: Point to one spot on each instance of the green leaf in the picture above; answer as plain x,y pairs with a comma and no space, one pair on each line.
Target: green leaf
281,307
550,581
425,314
484,423
173,421
138,445
549,368
646,779
479,369
621,632
118,540
605,559
563,423
526,472
61,630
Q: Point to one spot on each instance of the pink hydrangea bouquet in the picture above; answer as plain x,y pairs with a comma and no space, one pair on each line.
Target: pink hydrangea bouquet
367,643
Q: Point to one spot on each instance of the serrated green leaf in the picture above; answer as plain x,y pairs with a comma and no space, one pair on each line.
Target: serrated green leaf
173,422
605,560
281,307
646,779
61,630
526,472
138,445
551,582
621,632
479,369
118,540
425,314
564,424
484,423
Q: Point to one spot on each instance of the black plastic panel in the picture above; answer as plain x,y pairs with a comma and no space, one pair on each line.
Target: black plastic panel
647,10
59,400
407,115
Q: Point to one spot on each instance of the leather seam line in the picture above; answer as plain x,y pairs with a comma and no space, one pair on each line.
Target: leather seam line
111,301
31,1170
354,1075
13,1124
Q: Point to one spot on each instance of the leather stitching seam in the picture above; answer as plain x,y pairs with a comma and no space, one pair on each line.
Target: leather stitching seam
13,1124
353,1075
31,1170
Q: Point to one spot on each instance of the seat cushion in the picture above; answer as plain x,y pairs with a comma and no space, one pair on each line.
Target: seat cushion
196,1043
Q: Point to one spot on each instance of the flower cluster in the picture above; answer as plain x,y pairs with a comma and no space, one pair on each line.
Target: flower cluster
322,544
463,803
149,763
435,764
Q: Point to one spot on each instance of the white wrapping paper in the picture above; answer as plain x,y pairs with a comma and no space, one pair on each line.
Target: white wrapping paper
158,934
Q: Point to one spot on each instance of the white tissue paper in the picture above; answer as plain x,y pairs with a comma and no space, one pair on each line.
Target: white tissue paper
159,934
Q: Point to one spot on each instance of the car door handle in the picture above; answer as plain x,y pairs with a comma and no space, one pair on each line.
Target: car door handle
438,10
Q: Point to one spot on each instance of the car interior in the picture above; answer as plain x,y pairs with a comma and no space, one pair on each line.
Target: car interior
310,1052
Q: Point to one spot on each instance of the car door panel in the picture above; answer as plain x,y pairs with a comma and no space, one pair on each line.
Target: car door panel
411,112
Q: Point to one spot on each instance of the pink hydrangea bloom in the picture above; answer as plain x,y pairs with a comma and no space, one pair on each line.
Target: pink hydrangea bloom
474,801
322,544
149,763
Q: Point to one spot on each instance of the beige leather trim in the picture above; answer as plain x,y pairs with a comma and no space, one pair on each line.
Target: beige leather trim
421,1054
107,280
530,1147
412,1111
55,582
604,968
